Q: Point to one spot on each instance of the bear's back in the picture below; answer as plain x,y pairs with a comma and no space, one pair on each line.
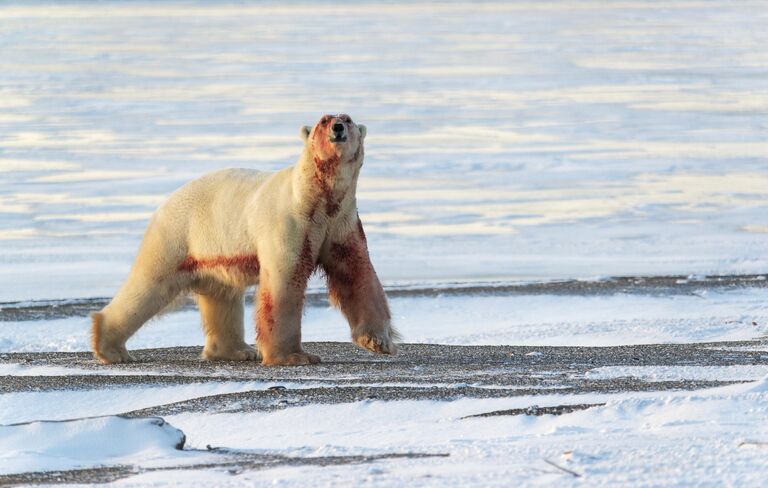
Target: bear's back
209,208
215,192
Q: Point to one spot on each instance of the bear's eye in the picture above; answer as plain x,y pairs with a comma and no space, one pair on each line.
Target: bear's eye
325,119
346,118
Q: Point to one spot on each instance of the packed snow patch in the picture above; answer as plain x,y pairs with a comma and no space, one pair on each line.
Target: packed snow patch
713,435
87,442
62,405
676,373
15,369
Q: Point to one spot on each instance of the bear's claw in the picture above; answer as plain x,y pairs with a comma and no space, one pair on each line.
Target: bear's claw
380,343
114,355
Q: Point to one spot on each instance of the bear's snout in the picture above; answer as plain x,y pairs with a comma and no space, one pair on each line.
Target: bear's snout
339,130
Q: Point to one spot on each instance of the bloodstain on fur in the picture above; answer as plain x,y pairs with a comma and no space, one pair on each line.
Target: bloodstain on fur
247,264
344,253
321,141
360,231
305,264
351,266
311,212
189,265
326,168
327,161
265,315
352,282
325,172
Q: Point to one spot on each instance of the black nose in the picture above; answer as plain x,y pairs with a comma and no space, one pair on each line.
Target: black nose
337,127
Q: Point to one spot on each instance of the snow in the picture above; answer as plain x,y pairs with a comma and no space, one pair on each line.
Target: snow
14,369
675,373
560,320
49,446
508,141
710,436
72,404
719,427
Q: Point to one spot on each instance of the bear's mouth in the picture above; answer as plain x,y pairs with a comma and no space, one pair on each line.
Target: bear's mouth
338,139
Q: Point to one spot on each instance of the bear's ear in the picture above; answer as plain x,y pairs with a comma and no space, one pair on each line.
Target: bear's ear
304,132
363,131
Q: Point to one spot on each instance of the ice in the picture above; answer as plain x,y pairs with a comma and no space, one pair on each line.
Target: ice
506,141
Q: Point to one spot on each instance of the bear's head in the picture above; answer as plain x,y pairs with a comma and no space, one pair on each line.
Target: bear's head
335,137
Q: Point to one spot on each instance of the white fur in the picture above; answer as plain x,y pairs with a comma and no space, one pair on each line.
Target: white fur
209,234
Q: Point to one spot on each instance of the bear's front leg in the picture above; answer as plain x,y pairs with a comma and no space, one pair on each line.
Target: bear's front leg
278,321
354,287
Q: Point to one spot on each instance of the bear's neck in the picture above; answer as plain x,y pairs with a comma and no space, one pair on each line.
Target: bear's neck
325,188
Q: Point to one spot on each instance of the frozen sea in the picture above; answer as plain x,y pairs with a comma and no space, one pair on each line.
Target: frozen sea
511,140
508,142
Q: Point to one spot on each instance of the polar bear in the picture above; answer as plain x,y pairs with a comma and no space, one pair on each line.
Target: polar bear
235,228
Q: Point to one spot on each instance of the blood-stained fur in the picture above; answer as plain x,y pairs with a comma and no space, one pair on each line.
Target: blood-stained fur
235,228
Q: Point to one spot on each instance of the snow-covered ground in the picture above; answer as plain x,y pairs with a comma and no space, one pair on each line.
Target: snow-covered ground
59,445
704,438
507,141
536,320
716,436
712,437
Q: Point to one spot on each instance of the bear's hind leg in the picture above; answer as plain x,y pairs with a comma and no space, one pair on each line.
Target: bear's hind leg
137,301
222,317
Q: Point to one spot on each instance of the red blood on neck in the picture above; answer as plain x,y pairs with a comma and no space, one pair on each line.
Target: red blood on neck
325,174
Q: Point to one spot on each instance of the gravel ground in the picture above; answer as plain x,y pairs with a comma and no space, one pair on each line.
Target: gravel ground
418,371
